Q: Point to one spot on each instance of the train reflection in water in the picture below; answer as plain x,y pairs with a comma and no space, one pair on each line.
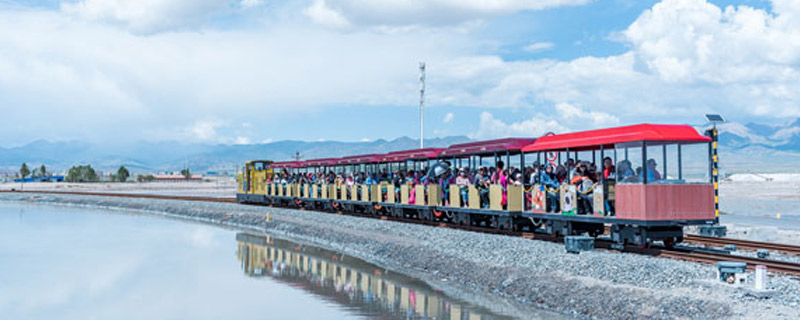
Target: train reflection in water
357,284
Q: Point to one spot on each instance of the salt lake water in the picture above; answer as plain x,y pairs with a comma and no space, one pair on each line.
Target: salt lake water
81,263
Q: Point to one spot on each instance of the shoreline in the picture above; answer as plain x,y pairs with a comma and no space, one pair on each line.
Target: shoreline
516,276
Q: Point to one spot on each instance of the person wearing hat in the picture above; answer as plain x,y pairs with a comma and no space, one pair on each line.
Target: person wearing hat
652,172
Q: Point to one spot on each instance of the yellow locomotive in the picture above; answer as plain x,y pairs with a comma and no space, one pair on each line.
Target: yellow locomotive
253,179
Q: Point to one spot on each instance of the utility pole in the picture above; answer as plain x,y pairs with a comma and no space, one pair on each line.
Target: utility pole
421,100
297,156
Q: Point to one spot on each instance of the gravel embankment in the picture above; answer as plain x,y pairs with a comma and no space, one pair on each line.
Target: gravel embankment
524,274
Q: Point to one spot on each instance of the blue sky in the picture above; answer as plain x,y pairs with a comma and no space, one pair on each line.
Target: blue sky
249,71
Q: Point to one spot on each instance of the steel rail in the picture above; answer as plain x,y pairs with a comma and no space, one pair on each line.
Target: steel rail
744,244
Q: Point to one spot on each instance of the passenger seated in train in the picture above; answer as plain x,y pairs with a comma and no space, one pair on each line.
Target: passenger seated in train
397,180
500,177
609,171
652,172
517,176
625,172
582,180
411,178
549,181
445,180
533,173
561,174
463,182
482,182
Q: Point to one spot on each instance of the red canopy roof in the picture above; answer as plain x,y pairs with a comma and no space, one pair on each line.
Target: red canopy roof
320,162
365,158
285,164
397,156
593,139
487,147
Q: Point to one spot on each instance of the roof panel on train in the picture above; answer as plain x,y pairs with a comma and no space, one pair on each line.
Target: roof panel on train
320,162
487,147
593,139
285,164
413,154
359,159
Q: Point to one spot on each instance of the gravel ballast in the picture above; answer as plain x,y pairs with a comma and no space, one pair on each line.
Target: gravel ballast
512,275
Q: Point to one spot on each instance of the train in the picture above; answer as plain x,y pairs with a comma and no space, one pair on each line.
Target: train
652,180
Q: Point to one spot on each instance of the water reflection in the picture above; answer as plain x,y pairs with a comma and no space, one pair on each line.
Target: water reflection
351,282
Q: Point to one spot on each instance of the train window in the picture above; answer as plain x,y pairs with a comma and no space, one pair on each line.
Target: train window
695,163
671,172
629,162
655,165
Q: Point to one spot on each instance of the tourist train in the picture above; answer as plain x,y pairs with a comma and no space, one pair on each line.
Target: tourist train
644,182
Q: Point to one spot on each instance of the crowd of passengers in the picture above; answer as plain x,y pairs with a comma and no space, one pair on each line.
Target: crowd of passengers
584,175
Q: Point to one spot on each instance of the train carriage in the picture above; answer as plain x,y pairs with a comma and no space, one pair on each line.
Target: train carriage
639,199
652,204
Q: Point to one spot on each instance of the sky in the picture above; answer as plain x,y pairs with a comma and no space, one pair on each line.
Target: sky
254,71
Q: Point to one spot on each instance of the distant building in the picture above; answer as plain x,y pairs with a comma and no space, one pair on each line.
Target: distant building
41,179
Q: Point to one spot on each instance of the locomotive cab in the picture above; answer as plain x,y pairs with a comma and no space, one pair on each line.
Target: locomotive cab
251,183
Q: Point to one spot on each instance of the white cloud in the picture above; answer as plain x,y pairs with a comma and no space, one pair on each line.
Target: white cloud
696,41
539,47
565,118
148,16
242,140
421,12
202,130
686,57
321,14
247,4
448,117
491,127
583,118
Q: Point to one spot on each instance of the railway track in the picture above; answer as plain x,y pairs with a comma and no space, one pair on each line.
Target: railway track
131,195
712,257
743,244
678,254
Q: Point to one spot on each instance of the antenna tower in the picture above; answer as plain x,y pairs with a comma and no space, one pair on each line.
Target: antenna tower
421,99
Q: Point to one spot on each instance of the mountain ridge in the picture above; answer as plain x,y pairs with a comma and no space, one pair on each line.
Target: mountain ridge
743,147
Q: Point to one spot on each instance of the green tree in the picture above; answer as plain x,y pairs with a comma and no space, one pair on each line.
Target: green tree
186,174
145,178
24,171
43,171
81,174
123,174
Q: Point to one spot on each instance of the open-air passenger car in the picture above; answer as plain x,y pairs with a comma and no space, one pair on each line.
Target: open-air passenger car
644,181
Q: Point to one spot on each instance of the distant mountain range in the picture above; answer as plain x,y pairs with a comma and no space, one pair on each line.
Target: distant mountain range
748,147
755,147
172,156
